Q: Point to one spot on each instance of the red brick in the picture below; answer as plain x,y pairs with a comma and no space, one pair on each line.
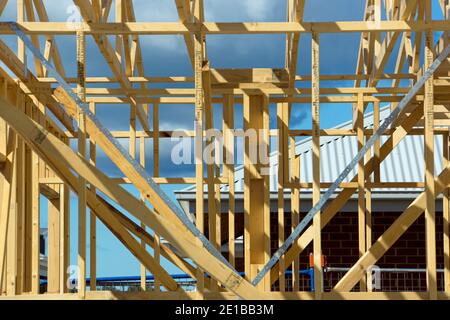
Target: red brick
332,244
406,251
340,236
350,243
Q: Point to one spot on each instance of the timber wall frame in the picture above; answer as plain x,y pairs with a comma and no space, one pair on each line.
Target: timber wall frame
36,158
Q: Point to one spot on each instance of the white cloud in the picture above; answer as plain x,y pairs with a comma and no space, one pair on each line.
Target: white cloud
165,10
163,42
259,9
241,10
155,10
58,12
215,10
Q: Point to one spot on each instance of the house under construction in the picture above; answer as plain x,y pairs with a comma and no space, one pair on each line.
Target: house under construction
331,201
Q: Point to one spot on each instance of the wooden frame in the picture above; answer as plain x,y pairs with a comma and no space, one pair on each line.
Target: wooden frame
36,157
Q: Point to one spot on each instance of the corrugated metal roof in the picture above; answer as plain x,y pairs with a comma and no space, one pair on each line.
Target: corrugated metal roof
404,164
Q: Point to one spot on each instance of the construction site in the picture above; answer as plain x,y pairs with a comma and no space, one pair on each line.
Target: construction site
289,181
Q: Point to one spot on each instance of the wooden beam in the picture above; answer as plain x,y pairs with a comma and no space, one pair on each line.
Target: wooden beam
114,225
43,17
21,204
361,187
315,111
61,158
236,76
54,250
3,4
430,195
142,234
156,245
199,161
335,205
81,188
27,78
255,211
282,125
376,146
34,38
253,90
156,168
184,15
120,160
165,28
105,10
264,153
35,224
382,56
6,191
419,37
368,215
92,218
391,235
64,201
229,154
3,128
382,52
116,295
137,64
295,14
108,52
11,253
446,216
295,210
210,157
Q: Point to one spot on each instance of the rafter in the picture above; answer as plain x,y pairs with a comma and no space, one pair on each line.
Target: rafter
3,4
136,64
142,234
185,15
50,41
166,28
295,14
28,80
117,228
106,49
382,57
62,158
34,38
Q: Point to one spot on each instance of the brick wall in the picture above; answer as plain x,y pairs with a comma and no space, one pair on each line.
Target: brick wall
340,246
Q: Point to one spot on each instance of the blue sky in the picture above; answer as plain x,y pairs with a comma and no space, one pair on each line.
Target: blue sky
166,55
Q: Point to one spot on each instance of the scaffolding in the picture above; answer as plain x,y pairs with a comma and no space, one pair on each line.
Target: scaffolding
43,112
